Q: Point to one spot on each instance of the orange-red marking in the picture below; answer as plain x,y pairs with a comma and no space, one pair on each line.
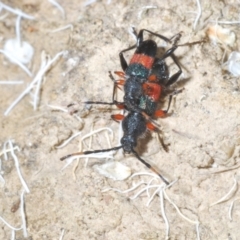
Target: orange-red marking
150,126
160,113
152,78
117,117
144,60
153,90
120,106
120,74
120,82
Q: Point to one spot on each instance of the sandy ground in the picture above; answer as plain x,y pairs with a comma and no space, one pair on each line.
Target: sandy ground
202,129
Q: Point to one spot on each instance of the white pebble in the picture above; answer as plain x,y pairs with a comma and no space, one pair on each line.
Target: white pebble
113,170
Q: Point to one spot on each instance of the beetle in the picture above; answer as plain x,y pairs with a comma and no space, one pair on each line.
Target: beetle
143,80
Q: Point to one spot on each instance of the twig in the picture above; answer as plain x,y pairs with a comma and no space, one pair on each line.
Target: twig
178,211
11,82
18,34
57,108
13,235
163,212
16,11
198,14
144,9
224,198
60,8
231,207
22,209
14,60
40,74
10,226
226,22
68,140
18,168
62,234
88,2
143,190
62,28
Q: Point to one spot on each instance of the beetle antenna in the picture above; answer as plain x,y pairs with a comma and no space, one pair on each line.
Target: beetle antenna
90,152
149,166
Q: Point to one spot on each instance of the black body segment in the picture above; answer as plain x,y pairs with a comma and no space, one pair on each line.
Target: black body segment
134,125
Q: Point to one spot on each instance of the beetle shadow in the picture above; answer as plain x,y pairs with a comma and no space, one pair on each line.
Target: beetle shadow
143,142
